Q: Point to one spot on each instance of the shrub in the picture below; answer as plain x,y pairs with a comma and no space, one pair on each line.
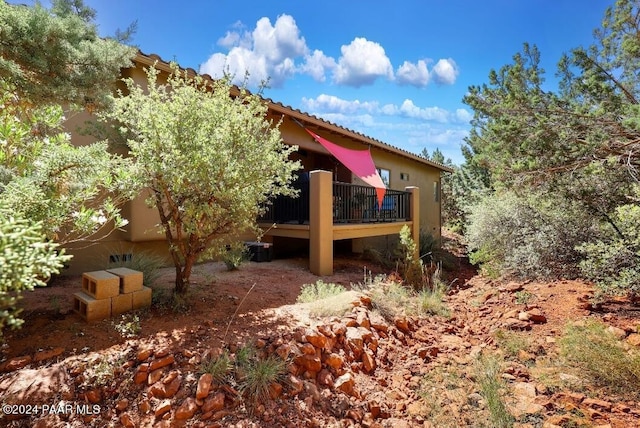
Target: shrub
218,367
527,237
412,268
613,263
236,254
255,374
143,261
319,290
597,353
430,302
390,298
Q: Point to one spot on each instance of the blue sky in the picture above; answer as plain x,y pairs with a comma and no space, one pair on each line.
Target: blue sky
395,71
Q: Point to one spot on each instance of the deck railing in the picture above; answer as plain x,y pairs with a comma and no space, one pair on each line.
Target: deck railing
351,204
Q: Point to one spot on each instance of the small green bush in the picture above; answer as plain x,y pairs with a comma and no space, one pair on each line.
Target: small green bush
319,290
412,268
235,255
259,374
218,367
431,302
255,373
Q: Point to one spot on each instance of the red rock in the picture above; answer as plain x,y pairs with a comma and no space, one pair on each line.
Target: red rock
368,362
159,353
325,378
310,363
326,330
15,363
214,403
316,338
346,384
536,316
634,339
122,404
402,324
307,349
172,388
338,329
127,421
204,385
93,396
334,361
261,343
514,324
154,376
140,377
144,354
145,406
283,351
157,390
363,320
366,301
161,362
296,385
45,355
275,390
187,409
597,404
163,407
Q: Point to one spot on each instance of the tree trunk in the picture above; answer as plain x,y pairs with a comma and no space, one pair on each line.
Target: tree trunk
183,275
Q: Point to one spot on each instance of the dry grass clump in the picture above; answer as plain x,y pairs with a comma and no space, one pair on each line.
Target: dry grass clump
594,350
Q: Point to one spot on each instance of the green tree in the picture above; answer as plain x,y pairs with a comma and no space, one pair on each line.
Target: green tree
55,56
51,191
209,159
26,262
579,142
50,59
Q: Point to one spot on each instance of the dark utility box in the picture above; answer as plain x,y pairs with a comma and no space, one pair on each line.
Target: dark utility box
260,251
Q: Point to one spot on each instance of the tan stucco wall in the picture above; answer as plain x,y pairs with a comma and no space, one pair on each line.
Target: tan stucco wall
142,231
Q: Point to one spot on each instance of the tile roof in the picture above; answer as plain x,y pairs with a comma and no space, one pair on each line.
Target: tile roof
305,118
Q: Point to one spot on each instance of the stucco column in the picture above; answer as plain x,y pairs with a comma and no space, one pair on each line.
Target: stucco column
321,223
414,215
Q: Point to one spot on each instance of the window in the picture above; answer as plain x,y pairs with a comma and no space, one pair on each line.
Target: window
385,174
436,191
404,176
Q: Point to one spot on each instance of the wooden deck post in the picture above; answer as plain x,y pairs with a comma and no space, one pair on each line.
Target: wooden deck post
414,215
321,223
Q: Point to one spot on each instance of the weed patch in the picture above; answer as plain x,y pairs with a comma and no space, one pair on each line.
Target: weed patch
600,355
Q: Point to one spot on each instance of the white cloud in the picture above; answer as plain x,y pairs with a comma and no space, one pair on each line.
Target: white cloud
445,71
278,51
409,109
317,64
413,74
324,103
333,104
463,115
362,63
269,51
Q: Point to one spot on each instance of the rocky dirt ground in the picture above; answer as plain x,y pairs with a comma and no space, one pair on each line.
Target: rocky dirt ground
357,369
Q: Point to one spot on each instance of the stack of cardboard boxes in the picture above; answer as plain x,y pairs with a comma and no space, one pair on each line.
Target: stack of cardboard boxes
106,293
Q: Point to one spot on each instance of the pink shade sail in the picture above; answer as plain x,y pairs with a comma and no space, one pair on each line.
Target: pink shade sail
358,162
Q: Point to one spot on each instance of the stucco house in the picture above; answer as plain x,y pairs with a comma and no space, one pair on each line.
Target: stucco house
337,210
